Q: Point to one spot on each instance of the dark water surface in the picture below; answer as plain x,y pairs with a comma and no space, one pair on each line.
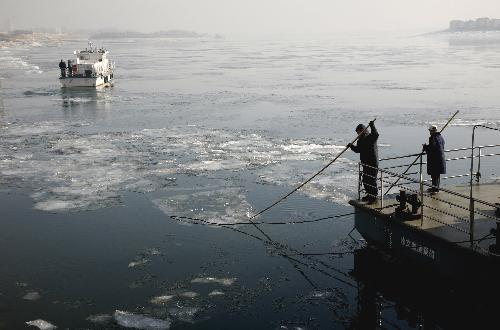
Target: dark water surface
94,184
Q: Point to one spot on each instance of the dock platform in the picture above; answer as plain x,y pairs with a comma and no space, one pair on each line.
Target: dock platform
454,231
444,224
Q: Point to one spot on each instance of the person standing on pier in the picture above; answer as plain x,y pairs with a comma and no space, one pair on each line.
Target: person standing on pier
436,163
368,155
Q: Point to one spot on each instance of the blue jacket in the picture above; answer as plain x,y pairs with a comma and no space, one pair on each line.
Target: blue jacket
436,163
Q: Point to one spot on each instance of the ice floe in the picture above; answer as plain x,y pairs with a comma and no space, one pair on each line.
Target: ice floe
226,205
162,300
100,318
185,313
216,293
143,259
33,295
137,263
223,281
42,324
189,294
68,170
137,321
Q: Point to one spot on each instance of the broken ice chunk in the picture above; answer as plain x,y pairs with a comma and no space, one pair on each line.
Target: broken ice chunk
161,300
42,324
100,318
223,281
33,295
153,252
189,294
216,293
185,314
139,262
137,321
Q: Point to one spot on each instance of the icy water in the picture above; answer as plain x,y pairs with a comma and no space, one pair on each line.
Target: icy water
99,189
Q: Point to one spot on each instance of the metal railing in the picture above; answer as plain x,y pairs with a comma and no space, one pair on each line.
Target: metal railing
387,178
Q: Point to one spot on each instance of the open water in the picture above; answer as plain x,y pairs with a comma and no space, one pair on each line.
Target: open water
94,183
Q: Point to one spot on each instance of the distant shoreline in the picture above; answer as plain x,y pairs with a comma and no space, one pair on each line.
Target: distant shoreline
158,34
26,37
21,38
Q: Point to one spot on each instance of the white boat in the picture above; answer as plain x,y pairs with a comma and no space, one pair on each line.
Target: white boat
89,68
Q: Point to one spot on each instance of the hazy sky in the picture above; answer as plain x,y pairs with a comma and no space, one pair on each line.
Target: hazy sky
245,16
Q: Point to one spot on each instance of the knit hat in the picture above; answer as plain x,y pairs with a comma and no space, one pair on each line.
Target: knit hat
360,127
433,128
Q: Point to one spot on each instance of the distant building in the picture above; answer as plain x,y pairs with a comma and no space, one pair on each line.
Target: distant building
479,24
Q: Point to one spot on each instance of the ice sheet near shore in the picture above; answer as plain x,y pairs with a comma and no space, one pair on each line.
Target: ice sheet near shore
71,171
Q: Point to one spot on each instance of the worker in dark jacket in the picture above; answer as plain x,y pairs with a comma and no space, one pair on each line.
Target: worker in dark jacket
436,163
368,154
62,66
70,68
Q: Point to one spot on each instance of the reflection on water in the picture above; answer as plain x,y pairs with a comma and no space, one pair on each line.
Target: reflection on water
421,298
88,98
2,109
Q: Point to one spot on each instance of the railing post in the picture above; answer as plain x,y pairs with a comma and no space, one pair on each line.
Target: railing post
471,219
421,179
471,198
478,173
381,189
359,181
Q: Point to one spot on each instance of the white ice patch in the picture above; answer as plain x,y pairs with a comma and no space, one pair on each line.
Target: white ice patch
162,300
153,252
11,130
311,151
216,293
185,314
206,280
137,321
42,324
337,183
189,294
137,263
12,62
100,318
215,165
472,122
227,205
33,295
71,171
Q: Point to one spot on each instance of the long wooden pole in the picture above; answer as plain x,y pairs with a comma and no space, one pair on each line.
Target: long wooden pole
408,168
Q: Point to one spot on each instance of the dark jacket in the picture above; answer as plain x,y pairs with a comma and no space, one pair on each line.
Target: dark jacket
436,163
367,147
62,65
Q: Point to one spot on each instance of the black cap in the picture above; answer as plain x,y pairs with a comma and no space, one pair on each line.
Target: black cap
360,127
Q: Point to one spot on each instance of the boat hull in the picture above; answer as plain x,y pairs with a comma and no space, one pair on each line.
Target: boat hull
416,246
70,82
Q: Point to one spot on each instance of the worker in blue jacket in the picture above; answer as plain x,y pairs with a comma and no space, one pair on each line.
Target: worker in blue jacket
436,163
368,154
